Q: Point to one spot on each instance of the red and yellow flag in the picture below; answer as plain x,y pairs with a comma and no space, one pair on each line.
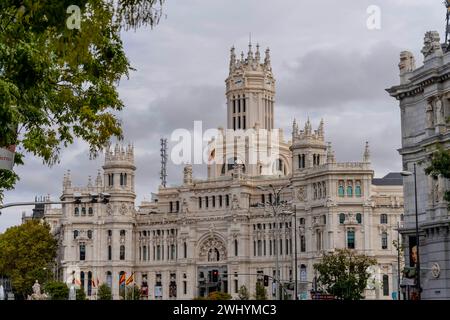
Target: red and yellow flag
122,278
130,279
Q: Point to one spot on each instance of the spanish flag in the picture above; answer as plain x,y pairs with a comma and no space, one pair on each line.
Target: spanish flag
130,279
122,279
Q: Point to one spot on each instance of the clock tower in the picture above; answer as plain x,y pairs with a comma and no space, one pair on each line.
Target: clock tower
250,91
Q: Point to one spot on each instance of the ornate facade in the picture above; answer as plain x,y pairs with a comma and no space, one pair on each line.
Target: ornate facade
220,233
424,97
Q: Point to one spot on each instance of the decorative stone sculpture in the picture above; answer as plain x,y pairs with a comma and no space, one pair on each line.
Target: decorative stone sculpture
407,62
432,45
37,295
430,116
187,176
439,112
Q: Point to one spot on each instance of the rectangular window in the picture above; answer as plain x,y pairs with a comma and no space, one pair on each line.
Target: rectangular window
206,202
184,287
227,200
214,201
351,239
178,206
109,253
82,252
220,201
200,202
236,286
385,285
170,206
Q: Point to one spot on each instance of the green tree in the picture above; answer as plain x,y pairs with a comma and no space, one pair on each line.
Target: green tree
344,273
133,292
58,83
104,292
243,293
26,252
260,291
57,290
440,165
217,295
80,294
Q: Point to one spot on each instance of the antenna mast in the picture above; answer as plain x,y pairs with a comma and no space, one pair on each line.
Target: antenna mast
163,173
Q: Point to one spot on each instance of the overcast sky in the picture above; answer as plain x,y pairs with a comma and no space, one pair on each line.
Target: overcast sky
326,61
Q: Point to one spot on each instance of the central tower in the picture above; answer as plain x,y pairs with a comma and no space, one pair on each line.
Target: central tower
250,91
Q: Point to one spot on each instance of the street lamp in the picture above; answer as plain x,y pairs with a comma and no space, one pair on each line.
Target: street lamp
406,174
276,205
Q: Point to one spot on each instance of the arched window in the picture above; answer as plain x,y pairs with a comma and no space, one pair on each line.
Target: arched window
385,285
144,253
122,233
83,211
91,211
109,233
359,218
302,244
349,191
185,250
89,284
303,275
109,278
324,187
384,240
341,190
77,211
75,234
236,251
383,218
324,219
351,239
122,252
315,191
82,279
89,234
341,218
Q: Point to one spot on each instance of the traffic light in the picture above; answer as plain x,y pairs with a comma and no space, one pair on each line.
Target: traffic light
215,276
266,281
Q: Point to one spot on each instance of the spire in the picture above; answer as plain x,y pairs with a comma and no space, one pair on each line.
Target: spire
257,54
232,57
294,128
308,127
68,180
98,180
242,56
320,131
89,182
250,52
366,156
330,154
267,58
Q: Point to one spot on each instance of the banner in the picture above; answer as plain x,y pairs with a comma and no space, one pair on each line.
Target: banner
7,157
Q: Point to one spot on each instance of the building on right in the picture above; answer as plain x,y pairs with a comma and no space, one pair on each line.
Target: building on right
424,96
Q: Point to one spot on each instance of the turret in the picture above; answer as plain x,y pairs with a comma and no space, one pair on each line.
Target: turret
119,169
308,147
250,91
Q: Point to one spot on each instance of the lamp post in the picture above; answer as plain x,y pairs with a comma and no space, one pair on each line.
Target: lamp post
414,173
276,205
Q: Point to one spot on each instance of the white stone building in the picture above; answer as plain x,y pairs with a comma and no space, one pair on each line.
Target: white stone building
219,233
424,98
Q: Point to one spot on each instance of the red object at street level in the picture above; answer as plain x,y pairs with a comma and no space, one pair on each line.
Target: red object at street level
322,296
7,157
